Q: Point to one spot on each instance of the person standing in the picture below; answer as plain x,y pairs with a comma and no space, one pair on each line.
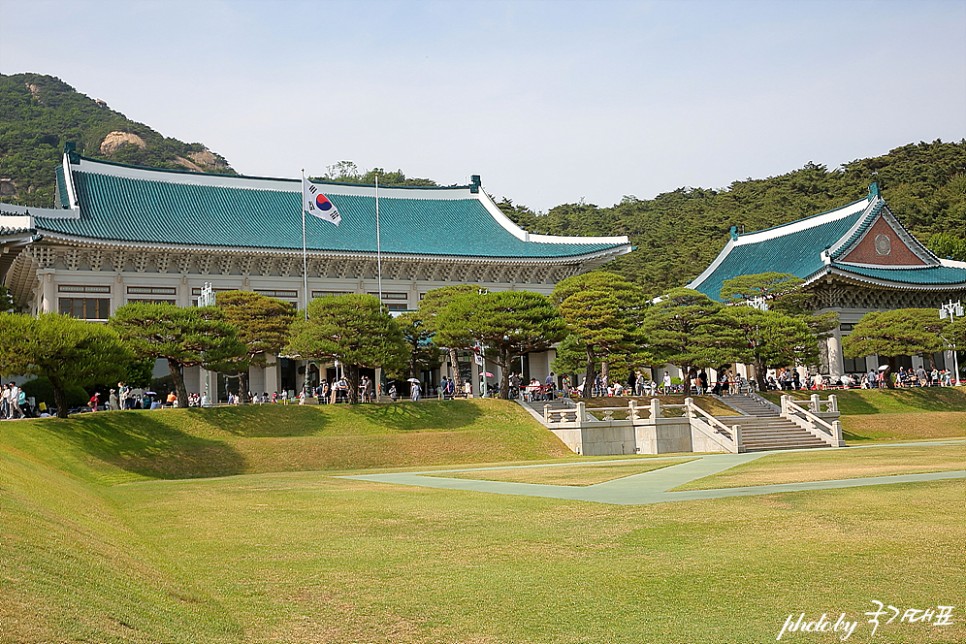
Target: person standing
415,392
15,402
4,402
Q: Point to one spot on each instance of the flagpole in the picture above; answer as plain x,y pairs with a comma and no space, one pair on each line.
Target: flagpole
305,260
378,247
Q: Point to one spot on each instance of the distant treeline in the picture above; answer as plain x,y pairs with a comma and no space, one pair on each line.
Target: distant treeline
678,233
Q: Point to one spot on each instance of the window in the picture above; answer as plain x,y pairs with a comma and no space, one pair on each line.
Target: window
82,288
853,365
86,308
275,293
316,294
390,296
151,290
131,300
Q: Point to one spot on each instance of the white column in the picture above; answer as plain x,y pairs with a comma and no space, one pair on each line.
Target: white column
836,366
48,291
271,375
118,294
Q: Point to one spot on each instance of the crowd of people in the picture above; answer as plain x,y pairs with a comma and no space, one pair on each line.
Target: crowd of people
15,404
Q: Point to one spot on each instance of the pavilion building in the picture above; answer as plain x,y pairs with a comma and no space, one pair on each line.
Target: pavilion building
855,259
122,234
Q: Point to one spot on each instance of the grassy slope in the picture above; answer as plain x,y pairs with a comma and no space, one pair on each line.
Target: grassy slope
899,414
303,557
73,561
172,444
828,465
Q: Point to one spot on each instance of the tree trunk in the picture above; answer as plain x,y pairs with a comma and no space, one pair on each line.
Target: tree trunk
589,374
887,376
686,377
504,365
353,384
174,367
60,396
760,371
243,386
454,365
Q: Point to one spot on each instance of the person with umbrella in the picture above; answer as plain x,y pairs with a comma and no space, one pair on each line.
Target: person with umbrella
415,391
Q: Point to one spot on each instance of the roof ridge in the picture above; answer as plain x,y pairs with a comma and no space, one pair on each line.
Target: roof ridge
802,219
237,175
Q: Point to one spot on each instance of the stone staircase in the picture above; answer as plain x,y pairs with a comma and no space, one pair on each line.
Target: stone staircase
763,428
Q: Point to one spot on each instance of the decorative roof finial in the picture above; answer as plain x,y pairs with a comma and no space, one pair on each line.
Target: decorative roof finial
70,149
874,187
734,233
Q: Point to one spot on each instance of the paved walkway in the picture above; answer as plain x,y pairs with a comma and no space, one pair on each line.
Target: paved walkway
653,486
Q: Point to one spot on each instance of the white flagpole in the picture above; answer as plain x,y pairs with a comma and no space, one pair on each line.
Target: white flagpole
378,247
305,260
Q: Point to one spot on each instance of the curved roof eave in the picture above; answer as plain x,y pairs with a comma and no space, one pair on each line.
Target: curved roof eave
882,283
600,254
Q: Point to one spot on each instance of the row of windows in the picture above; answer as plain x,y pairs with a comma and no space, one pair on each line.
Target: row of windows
95,308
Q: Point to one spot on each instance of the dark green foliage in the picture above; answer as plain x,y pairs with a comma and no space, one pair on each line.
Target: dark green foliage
680,232
262,324
509,324
65,350
423,355
689,330
603,312
39,114
185,337
42,391
353,329
900,332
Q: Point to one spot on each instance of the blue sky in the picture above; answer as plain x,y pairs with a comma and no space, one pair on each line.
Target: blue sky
551,102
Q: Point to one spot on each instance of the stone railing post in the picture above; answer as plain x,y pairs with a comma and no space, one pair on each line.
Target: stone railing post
833,403
815,403
837,434
736,436
785,404
546,413
632,413
655,409
581,412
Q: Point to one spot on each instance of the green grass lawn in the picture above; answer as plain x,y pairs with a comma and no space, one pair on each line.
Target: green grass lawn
826,465
870,415
854,402
580,474
106,536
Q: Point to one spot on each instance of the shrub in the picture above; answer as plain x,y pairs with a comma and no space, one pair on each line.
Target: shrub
41,390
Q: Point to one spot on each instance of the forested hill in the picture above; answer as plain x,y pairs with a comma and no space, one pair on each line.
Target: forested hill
679,233
39,114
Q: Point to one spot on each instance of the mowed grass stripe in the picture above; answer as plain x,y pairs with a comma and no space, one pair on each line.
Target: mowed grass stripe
832,465
307,558
582,474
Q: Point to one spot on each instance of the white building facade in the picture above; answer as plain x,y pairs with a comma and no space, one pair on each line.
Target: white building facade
124,234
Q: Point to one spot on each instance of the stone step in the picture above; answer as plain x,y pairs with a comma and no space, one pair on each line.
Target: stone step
782,439
770,448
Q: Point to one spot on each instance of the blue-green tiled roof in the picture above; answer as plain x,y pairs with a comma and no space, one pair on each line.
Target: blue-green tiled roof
924,276
798,253
797,248
130,209
63,199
